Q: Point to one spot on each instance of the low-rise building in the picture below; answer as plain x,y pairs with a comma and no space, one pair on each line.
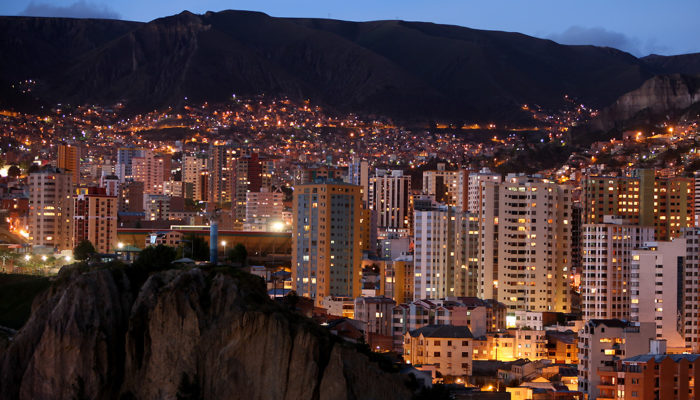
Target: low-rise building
447,347
603,342
651,376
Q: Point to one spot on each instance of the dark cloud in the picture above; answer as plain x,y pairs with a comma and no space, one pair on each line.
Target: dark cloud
579,35
79,9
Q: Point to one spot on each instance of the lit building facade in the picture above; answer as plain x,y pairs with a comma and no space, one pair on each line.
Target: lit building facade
606,256
51,209
391,199
95,219
69,160
667,204
445,253
327,245
447,347
657,280
602,343
525,232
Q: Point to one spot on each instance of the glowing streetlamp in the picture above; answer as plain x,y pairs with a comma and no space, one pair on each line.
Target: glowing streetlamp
223,243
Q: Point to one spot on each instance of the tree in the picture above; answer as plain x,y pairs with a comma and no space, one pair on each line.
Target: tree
83,250
194,247
155,258
238,254
14,171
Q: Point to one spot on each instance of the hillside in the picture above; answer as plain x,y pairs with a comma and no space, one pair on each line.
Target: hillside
408,70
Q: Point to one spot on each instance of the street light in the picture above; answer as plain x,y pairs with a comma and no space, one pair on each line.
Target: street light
120,245
223,243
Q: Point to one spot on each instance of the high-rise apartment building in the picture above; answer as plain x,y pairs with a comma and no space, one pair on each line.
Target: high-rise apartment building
525,227
447,187
445,252
474,187
131,196
152,170
607,252
392,201
251,174
193,165
222,163
95,219
690,317
51,208
326,240
69,160
657,281
358,174
696,199
125,156
667,204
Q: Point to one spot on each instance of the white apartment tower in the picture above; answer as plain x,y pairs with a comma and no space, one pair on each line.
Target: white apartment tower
445,253
607,251
474,187
391,199
690,316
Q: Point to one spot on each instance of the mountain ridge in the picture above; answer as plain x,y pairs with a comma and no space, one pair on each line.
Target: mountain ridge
403,69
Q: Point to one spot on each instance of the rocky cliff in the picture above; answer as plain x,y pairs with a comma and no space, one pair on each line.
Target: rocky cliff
106,334
658,96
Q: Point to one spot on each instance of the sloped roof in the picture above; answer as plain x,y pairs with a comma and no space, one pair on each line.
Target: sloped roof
443,331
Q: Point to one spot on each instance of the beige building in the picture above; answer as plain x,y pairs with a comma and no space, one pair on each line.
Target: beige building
51,209
95,219
263,211
448,348
152,170
512,345
607,249
193,166
525,227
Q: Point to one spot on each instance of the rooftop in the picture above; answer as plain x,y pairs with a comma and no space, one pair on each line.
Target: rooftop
443,331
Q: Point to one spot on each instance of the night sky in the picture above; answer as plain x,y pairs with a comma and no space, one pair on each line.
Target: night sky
640,27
